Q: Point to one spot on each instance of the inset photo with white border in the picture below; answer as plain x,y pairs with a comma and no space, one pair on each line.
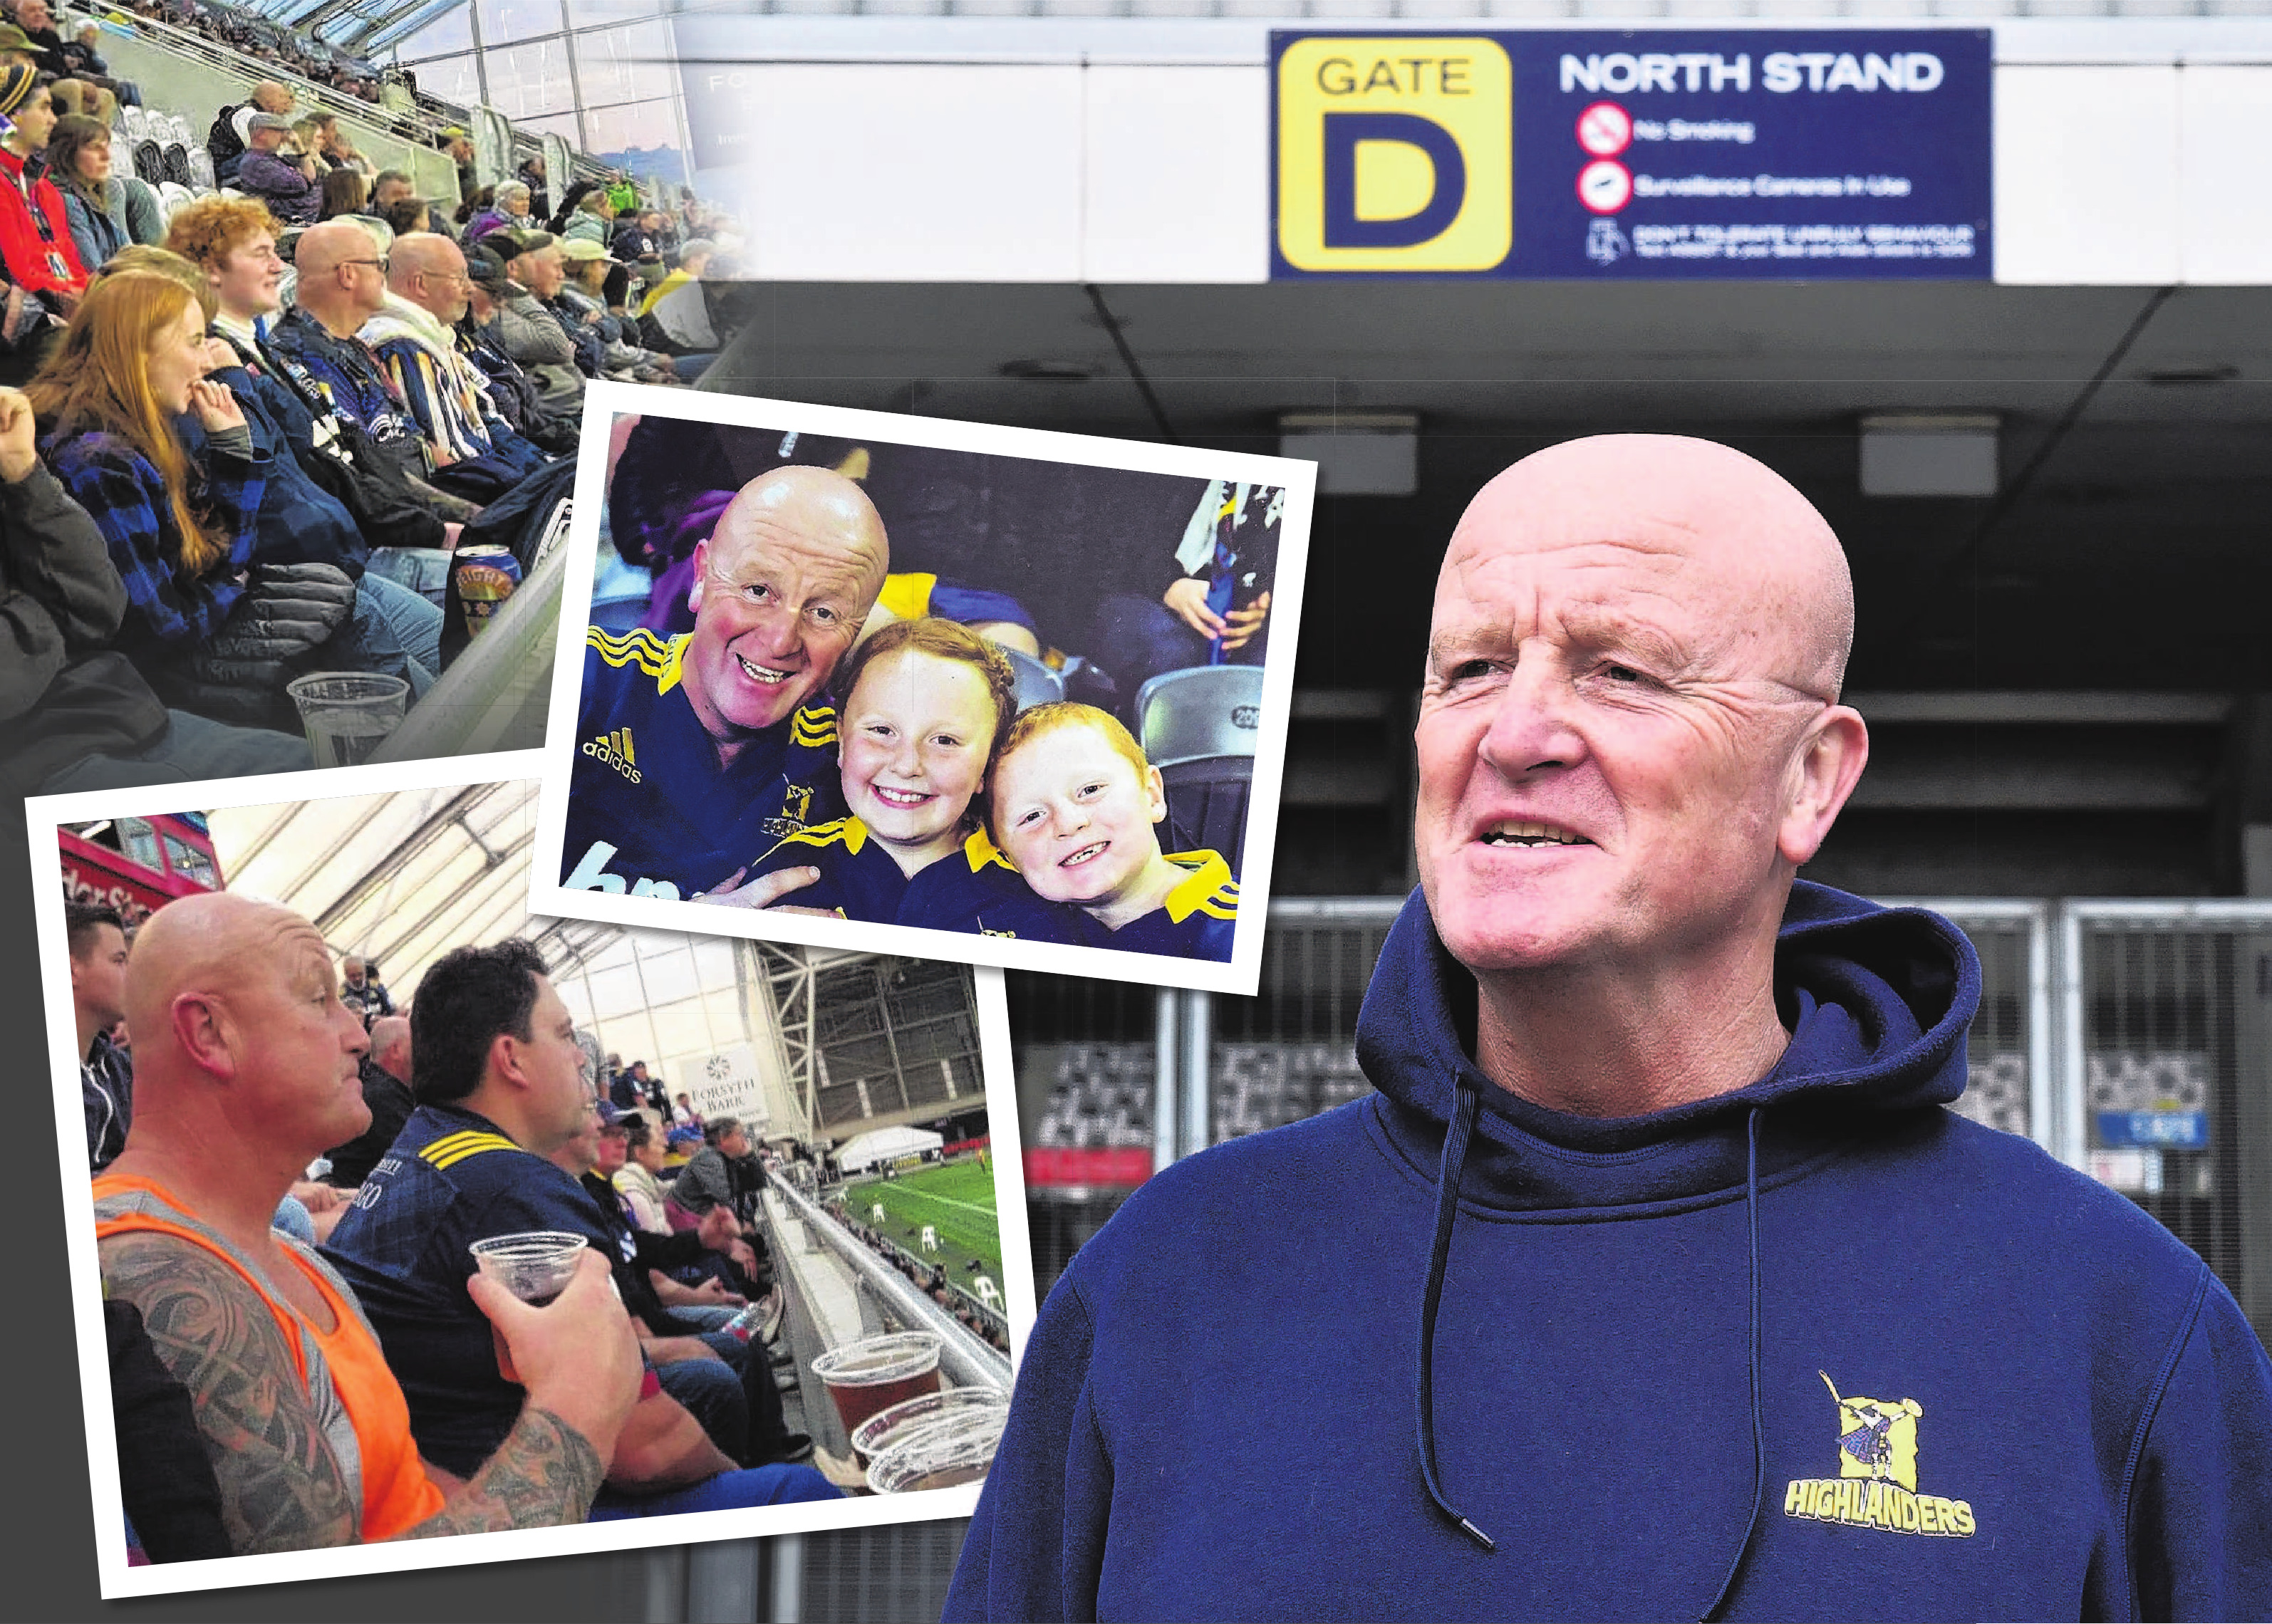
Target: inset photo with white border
765,1265
998,695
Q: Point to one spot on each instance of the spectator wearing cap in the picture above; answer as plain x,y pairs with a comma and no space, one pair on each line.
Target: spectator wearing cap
35,235
518,397
16,47
528,332
226,140
591,301
285,182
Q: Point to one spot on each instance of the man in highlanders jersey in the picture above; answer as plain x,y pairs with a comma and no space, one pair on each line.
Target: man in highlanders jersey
698,754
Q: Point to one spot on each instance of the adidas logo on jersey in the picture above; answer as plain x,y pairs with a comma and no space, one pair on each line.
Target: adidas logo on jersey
614,748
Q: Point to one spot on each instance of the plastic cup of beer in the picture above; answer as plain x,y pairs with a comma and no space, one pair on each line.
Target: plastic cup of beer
876,1373
534,1266
880,1430
953,1450
348,714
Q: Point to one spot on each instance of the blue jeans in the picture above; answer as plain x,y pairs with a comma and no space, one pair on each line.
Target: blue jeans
191,748
728,1491
391,631
689,367
292,1218
709,1319
423,570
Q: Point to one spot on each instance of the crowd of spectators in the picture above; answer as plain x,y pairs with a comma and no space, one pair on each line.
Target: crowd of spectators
257,431
421,1398
294,50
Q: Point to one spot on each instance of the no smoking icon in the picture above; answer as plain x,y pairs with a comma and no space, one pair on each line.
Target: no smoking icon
1605,186
1606,130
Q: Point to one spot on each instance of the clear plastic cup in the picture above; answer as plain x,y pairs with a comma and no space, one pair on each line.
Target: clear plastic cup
877,1372
348,714
886,1427
536,1266
952,1449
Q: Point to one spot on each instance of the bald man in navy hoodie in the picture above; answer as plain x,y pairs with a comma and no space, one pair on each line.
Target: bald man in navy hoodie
1693,1297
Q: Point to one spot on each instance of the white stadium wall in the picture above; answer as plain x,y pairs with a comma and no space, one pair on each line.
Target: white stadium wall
2126,152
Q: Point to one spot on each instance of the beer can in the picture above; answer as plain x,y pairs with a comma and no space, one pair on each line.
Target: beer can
486,575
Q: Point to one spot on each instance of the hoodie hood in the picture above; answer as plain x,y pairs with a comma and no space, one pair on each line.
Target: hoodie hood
1877,1000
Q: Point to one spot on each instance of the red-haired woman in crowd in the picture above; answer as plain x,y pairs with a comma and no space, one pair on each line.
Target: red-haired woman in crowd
180,535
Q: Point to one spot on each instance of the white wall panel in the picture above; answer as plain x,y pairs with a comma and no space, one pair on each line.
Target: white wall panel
1177,175
916,173
2224,136
2086,176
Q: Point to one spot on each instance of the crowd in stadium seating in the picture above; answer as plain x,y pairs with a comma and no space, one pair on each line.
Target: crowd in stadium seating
487,1116
257,428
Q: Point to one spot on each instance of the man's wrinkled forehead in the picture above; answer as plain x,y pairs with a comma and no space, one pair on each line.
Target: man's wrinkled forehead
1653,532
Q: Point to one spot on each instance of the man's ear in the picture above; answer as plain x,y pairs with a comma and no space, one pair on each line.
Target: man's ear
1824,770
505,1059
1156,793
701,573
202,1027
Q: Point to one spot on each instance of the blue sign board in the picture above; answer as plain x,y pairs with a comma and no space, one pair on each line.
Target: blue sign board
1785,154
2172,1130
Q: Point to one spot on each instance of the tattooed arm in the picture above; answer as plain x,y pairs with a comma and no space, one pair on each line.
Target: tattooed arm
543,1475
281,1487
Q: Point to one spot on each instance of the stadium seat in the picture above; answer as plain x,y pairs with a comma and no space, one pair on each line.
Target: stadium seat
201,170
1199,728
173,198
1205,711
1206,804
176,162
133,125
1037,684
149,161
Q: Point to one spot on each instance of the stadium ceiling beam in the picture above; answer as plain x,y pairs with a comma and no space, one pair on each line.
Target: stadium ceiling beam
494,864
787,976
387,27
569,944
431,828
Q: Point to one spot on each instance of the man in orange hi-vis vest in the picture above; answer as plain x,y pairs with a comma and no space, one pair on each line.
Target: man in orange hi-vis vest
245,1071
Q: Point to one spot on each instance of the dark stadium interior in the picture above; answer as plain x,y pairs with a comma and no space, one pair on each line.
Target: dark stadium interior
2062,680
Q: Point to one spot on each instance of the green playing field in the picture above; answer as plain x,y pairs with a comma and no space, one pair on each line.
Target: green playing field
957,1200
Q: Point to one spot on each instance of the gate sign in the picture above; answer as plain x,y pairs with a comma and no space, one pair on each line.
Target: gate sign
1785,154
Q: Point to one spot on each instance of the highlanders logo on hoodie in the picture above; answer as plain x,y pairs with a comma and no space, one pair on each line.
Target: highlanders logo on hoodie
1877,1481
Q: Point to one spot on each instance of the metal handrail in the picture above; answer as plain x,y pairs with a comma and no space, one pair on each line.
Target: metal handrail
962,1353
305,91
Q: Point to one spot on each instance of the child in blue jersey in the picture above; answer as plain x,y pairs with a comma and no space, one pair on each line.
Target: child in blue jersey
1075,811
925,702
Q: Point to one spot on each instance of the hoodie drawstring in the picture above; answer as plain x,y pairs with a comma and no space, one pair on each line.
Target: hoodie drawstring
1447,1208
1759,1446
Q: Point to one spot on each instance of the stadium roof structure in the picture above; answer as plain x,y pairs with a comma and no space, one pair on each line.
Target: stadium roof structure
403,877
884,1144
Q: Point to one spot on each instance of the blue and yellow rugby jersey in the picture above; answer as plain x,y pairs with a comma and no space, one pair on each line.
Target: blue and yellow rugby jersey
650,810
450,1179
859,877
1196,921
976,891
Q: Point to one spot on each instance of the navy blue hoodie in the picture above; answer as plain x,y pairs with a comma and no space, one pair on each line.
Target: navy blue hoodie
1817,1349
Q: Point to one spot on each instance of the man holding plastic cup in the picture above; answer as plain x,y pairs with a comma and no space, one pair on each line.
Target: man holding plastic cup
501,1085
245,1071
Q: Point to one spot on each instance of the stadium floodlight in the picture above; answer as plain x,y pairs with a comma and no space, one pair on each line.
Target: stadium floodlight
1357,453
1918,454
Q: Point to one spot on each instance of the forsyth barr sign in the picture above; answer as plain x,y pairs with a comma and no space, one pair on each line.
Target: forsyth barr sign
1760,153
